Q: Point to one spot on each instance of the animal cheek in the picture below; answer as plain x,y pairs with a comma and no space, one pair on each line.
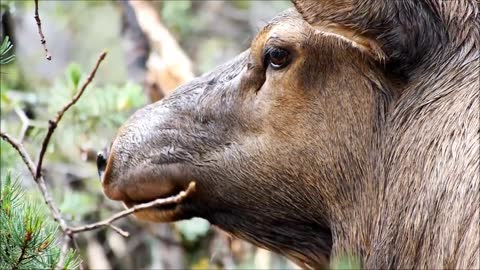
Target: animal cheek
252,79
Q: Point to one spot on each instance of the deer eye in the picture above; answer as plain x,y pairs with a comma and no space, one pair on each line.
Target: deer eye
277,58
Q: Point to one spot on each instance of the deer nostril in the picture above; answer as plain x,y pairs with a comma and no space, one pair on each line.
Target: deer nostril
101,163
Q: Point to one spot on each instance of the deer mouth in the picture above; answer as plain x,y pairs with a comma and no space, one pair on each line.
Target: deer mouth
145,183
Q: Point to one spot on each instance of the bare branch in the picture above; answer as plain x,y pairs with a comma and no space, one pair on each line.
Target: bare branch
119,231
52,124
63,251
21,151
40,32
158,202
36,170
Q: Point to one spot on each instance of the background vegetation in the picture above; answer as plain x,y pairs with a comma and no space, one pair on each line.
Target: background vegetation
32,89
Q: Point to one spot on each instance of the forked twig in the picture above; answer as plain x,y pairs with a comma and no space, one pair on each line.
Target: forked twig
36,170
40,32
52,124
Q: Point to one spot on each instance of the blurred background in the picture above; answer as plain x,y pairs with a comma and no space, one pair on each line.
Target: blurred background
153,46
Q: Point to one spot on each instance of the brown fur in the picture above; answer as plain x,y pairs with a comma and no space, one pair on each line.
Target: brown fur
366,144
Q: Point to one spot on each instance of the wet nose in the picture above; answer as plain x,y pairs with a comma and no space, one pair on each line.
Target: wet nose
102,158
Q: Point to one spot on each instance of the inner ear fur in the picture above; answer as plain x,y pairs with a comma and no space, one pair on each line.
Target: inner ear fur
366,45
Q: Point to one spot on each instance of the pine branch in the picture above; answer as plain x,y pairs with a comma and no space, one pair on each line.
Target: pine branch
26,240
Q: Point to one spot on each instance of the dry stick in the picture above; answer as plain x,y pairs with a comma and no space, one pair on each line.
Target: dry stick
118,230
21,151
64,249
52,124
40,32
75,245
139,207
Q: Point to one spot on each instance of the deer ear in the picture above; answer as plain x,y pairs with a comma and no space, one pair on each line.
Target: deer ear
317,11
334,17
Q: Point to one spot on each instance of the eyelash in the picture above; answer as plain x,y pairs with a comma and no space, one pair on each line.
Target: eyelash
267,60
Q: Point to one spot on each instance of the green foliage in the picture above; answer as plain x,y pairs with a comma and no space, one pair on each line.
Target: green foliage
91,121
5,48
74,73
178,17
101,106
70,206
8,156
28,239
193,229
241,4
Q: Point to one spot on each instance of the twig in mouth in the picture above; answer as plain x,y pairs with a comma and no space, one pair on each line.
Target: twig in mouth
40,32
139,207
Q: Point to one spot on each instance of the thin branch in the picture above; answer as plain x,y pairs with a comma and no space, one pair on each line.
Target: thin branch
40,32
158,202
63,251
77,248
119,231
21,151
51,205
52,124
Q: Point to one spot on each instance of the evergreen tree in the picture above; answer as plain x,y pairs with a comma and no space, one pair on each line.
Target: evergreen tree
28,238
